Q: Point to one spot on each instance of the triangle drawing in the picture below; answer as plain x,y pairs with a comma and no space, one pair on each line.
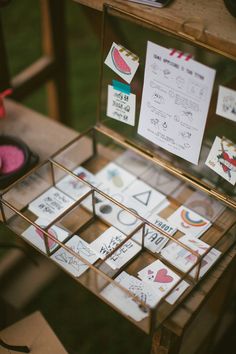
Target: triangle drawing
143,197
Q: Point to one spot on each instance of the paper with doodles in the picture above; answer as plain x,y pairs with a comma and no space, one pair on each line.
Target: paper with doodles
175,102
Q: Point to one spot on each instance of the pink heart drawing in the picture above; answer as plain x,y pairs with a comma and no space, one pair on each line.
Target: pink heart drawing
162,277
51,243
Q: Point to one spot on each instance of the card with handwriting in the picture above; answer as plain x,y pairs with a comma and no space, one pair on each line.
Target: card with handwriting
189,222
69,262
115,177
122,62
36,236
50,204
160,277
108,241
222,159
74,187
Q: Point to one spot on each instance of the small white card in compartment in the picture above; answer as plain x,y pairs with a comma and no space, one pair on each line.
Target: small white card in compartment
122,62
115,177
121,105
161,180
177,292
71,263
144,195
189,222
123,301
175,102
117,216
184,259
204,205
133,163
226,103
160,277
74,187
108,241
36,236
222,159
50,204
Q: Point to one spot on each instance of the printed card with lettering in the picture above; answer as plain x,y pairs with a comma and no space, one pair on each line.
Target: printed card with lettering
184,259
144,195
160,277
108,241
121,105
122,62
115,177
69,262
205,205
75,188
125,303
50,204
189,222
36,236
222,159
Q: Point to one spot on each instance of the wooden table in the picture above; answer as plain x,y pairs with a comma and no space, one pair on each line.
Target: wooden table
209,22
206,305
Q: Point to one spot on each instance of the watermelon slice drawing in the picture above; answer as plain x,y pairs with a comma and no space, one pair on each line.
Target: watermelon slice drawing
119,63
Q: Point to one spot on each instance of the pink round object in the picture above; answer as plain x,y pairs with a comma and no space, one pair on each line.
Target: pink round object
11,157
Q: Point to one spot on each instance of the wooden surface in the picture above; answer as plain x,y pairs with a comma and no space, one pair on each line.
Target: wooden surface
208,21
43,135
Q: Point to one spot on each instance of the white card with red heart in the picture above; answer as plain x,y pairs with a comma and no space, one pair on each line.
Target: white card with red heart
74,187
70,262
115,177
108,241
122,62
50,204
36,236
222,159
144,195
189,222
160,277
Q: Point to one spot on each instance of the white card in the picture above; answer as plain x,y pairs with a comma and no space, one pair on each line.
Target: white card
115,177
50,204
123,301
189,222
108,241
160,277
36,236
184,259
222,159
133,163
75,188
121,105
175,102
204,205
71,263
226,103
144,195
161,180
177,292
122,62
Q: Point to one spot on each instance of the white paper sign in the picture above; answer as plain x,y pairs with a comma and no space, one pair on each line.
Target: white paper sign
175,102
121,105
226,103
122,62
222,159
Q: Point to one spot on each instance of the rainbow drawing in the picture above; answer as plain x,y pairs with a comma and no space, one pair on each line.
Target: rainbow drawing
187,219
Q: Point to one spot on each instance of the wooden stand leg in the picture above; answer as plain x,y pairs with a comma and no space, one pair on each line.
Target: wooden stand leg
165,342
